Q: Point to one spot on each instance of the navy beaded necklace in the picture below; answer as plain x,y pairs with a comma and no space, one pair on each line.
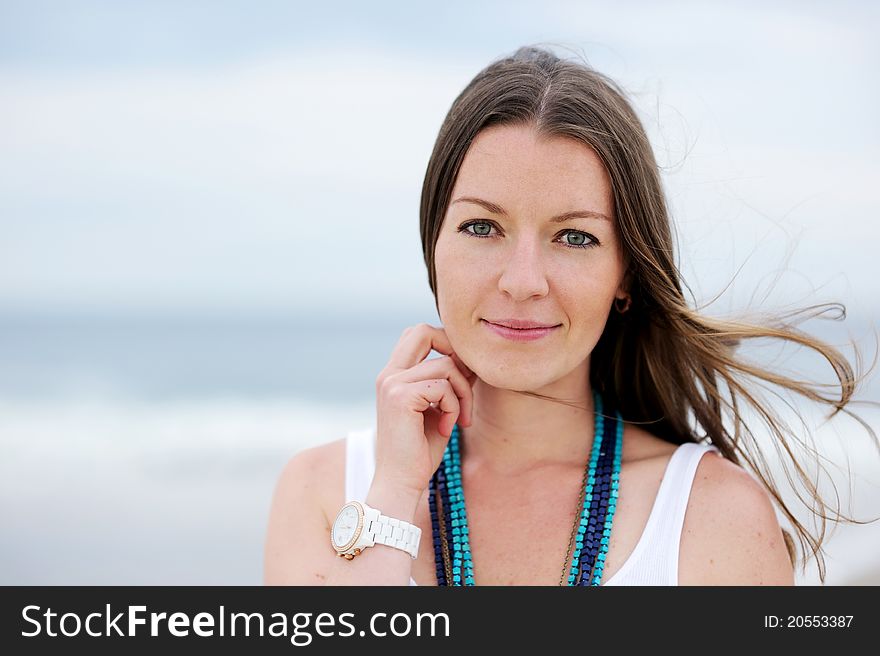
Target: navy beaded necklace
599,501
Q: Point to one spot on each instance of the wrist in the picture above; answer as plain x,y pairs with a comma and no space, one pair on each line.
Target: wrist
394,501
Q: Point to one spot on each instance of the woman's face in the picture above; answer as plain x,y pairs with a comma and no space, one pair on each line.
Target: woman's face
513,261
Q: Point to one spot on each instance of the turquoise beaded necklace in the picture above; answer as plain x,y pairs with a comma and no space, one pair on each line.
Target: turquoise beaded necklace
597,510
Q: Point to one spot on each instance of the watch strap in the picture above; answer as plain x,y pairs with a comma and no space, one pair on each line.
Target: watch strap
395,533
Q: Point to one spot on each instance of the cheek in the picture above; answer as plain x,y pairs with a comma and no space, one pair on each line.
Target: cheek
457,291
448,268
454,261
586,298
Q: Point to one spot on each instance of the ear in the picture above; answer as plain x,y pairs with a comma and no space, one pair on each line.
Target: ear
623,290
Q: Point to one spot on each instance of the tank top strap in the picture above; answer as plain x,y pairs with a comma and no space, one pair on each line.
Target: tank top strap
654,559
663,532
360,463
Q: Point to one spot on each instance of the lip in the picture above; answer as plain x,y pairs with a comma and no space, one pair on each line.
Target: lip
521,323
519,334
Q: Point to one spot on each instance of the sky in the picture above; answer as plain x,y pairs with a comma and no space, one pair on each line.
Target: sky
268,157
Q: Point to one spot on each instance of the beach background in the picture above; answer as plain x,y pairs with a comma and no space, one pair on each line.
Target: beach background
209,240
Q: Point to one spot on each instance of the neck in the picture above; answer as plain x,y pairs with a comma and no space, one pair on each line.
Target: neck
514,434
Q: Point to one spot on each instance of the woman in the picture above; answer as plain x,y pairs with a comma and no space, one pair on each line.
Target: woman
591,450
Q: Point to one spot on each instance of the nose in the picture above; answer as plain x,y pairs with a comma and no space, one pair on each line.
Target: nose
523,274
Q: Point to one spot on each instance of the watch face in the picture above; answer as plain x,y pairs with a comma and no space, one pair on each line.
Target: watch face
346,525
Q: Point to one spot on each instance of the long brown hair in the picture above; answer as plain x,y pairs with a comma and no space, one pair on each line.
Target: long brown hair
661,363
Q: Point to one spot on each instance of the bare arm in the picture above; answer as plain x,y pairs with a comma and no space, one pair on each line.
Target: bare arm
297,549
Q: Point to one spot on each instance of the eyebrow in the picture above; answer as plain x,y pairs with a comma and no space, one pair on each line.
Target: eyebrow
497,209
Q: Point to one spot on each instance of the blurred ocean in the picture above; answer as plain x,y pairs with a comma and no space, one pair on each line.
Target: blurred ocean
145,450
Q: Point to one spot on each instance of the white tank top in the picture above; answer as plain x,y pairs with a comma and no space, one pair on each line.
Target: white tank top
653,561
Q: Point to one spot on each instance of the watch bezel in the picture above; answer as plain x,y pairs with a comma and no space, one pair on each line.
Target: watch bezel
357,531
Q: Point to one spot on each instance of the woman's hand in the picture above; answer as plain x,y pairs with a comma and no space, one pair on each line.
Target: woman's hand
418,401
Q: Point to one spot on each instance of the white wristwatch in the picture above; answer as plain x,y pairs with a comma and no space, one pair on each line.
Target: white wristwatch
358,526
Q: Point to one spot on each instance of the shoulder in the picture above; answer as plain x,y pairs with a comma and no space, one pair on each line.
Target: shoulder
314,473
731,535
295,549
325,464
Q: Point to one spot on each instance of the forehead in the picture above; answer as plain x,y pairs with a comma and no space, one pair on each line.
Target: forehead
516,165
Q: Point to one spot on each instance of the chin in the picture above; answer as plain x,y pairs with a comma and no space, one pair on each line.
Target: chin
515,379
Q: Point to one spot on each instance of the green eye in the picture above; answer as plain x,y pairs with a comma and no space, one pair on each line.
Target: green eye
482,228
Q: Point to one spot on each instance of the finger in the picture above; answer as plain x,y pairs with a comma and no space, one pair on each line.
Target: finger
438,394
416,343
444,367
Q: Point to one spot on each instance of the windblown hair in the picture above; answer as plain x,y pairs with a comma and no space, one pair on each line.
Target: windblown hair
662,363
